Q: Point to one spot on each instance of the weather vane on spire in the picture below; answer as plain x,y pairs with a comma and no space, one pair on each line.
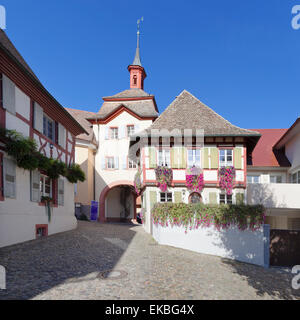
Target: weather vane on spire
137,59
139,24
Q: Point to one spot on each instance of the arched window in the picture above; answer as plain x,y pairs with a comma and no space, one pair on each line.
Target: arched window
134,80
195,198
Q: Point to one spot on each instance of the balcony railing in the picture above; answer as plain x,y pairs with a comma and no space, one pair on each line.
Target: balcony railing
281,195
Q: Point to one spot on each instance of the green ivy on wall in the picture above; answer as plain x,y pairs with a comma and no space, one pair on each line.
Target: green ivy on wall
25,152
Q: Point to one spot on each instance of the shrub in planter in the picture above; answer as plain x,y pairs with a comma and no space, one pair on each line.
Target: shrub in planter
193,216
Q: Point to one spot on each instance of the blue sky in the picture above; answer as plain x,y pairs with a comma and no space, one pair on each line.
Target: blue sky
241,58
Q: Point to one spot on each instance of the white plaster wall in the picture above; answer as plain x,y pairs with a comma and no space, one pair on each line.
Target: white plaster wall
19,216
14,123
114,148
22,103
246,246
281,195
113,205
292,151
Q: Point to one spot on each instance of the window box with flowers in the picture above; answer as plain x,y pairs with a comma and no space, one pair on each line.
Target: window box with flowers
194,179
227,178
164,177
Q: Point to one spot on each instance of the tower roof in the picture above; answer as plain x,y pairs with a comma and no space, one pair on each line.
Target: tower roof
137,58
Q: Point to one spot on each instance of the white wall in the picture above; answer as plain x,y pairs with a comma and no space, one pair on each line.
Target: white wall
18,217
114,207
114,148
246,246
292,151
280,195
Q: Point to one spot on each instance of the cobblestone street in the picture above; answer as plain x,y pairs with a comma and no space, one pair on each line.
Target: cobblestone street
72,265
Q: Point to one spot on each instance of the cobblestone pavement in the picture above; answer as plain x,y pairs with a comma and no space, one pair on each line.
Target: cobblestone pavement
69,265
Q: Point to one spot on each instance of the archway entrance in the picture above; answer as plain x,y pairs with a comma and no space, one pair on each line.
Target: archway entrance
195,197
118,203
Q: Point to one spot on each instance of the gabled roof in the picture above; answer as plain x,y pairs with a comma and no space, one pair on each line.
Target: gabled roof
263,154
289,134
130,93
13,54
81,117
187,112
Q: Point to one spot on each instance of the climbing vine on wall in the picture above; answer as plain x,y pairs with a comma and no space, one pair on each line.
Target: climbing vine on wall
25,152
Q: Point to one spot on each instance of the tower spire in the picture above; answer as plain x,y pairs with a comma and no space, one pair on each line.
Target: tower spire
137,72
137,58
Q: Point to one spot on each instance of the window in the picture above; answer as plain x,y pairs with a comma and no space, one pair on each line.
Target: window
226,158
166,197
130,131
275,179
41,230
9,178
252,179
114,133
45,186
110,163
225,198
195,198
194,158
295,177
164,158
49,128
134,80
131,164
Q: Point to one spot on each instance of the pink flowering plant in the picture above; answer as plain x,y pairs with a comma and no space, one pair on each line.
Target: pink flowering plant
164,177
194,179
138,182
194,216
226,179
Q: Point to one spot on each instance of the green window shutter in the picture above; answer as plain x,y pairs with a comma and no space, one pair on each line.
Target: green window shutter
9,178
61,192
152,158
239,198
213,198
238,158
174,158
177,197
205,158
153,199
214,158
35,186
182,153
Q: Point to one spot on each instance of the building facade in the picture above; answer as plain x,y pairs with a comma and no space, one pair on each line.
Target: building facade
273,173
28,108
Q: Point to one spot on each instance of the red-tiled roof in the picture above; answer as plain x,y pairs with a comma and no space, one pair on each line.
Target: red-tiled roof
263,154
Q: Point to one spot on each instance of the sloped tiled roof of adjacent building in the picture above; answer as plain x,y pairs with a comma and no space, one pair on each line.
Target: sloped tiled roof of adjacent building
187,112
263,154
81,116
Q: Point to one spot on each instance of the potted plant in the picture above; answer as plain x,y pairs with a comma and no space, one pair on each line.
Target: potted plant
48,201
164,177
